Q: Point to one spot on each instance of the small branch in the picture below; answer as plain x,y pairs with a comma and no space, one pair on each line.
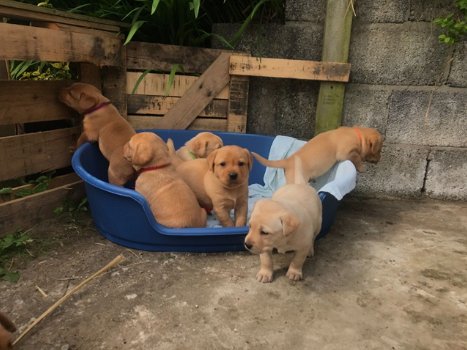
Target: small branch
111,264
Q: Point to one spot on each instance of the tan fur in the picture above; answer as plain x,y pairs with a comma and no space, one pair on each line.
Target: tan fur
172,202
200,146
289,221
105,126
320,153
220,182
6,328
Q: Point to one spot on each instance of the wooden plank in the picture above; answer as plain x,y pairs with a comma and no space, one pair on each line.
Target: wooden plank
159,105
36,152
31,101
199,95
91,74
114,84
42,44
238,104
55,182
142,56
15,9
155,84
139,122
22,213
292,69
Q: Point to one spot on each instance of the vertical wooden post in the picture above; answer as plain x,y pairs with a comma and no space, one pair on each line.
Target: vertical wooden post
336,44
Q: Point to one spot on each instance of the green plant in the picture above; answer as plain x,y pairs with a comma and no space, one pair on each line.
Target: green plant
35,70
72,207
10,246
454,25
37,185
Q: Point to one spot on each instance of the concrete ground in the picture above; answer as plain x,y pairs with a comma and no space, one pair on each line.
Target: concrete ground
390,275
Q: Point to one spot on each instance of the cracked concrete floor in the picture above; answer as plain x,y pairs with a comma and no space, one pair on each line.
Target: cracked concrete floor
391,274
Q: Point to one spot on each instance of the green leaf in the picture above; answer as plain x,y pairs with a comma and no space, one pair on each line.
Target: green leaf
196,4
170,81
9,276
134,28
140,79
155,3
6,190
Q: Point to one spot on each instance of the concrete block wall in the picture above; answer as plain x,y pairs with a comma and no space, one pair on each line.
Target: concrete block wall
403,82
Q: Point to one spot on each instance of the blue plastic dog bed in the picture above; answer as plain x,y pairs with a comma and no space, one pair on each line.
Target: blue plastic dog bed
124,217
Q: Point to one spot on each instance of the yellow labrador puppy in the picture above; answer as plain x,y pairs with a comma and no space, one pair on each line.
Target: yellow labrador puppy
220,182
289,221
102,123
172,202
318,155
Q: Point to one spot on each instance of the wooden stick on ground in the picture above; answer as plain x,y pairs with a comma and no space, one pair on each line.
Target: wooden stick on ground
111,264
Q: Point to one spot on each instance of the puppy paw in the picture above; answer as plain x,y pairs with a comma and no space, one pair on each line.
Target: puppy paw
294,275
264,276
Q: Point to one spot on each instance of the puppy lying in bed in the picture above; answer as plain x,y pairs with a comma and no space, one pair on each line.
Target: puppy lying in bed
172,202
220,182
289,221
318,155
6,328
102,123
200,146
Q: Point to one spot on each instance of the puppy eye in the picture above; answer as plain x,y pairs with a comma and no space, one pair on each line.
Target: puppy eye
264,233
241,163
222,164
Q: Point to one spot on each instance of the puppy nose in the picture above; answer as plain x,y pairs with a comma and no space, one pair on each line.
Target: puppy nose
248,245
233,176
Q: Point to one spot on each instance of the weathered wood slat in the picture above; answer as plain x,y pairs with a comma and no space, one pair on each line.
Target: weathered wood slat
42,44
139,122
155,84
142,56
114,84
31,101
143,104
199,95
37,152
292,69
15,9
238,104
54,183
22,213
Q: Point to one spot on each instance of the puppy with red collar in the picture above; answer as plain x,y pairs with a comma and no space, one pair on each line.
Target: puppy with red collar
102,123
172,202
6,328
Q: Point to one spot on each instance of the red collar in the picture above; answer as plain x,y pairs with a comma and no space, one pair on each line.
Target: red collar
359,134
96,107
151,168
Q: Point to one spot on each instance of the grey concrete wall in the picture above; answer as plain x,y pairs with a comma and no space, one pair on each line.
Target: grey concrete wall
403,82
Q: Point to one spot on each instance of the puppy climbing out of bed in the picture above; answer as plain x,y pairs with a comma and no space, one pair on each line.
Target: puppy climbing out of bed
318,155
289,221
102,123
200,146
172,202
6,328
220,182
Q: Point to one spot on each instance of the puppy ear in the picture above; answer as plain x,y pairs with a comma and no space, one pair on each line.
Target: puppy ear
87,101
250,158
211,160
142,154
290,223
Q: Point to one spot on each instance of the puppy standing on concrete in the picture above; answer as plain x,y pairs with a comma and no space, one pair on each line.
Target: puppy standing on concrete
172,202
289,221
102,123
6,328
318,155
220,182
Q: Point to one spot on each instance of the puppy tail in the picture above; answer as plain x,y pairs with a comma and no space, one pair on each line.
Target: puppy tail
298,176
281,163
171,146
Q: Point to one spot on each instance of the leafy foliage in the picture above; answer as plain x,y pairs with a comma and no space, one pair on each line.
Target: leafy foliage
454,25
11,245
35,70
37,185
178,22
